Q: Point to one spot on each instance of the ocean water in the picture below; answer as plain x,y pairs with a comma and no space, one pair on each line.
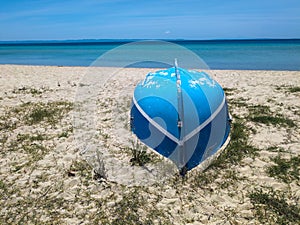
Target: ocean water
217,54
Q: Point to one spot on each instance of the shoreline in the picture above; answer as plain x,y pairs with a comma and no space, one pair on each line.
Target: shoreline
44,178
150,68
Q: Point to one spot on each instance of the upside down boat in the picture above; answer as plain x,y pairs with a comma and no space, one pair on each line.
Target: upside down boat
182,114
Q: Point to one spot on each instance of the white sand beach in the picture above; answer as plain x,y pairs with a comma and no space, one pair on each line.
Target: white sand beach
57,124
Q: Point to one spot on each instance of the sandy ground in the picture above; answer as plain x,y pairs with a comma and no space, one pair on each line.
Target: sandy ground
50,162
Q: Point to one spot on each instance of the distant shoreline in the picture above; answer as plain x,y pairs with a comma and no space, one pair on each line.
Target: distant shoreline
142,68
124,41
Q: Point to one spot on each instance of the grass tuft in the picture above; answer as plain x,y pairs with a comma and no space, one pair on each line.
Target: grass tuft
30,113
139,154
294,89
272,207
50,112
66,133
288,89
238,148
274,120
286,170
30,90
82,168
275,149
127,209
229,91
263,114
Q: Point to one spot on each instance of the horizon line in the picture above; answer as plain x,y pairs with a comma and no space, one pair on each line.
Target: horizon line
137,39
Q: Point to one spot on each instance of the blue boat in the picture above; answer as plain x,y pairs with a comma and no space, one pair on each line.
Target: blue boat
182,114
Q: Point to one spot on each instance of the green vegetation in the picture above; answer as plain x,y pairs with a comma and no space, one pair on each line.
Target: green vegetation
31,137
263,114
259,110
288,89
203,179
286,170
126,210
3,189
25,141
272,207
139,154
26,209
3,139
238,148
273,120
34,113
229,91
275,149
81,168
51,112
240,102
29,144
66,133
6,123
30,90
294,89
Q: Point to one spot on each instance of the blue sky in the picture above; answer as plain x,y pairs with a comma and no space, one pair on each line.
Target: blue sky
141,19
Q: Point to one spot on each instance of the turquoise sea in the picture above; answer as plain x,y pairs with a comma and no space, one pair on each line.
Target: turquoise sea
269,54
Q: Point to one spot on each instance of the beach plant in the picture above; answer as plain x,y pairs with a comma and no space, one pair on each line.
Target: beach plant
272,207
203,179
3,139
99,169
126,211
31,146
3,189
230,177
139,154
229,91
263,114
31,137
294,89
51,112
238,148
275,149
238,102
80,167
286,170
66,133
288,89
134,209
35,152
26,209
259,109
63,134
274,120
6,123
39,114
32,113
28,90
